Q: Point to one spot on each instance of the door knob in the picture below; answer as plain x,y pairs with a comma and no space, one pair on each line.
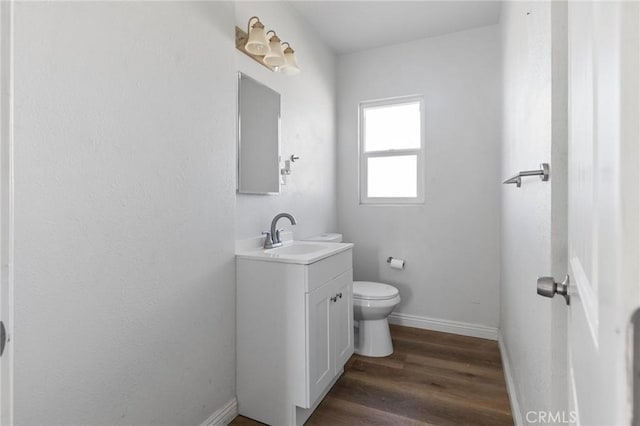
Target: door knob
547,287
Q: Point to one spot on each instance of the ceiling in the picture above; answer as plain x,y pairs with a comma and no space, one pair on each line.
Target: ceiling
351,26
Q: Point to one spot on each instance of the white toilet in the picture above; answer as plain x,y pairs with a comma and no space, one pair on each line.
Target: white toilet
372,304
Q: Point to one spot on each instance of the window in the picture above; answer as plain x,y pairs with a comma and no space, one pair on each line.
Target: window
391,157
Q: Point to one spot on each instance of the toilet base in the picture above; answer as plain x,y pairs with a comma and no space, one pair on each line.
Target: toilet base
373,338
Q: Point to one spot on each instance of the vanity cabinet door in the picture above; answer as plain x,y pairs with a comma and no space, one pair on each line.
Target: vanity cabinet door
320,362
329,332
342,320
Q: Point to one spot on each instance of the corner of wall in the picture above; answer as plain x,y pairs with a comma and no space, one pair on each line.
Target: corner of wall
224,415
512,389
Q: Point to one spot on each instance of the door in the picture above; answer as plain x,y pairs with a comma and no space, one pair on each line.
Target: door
6,208
342,319
603,214
319,347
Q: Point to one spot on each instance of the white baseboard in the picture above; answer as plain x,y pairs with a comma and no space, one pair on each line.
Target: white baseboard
511,386
224,415
445,326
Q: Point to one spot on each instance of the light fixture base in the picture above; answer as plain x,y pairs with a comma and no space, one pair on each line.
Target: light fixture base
241,41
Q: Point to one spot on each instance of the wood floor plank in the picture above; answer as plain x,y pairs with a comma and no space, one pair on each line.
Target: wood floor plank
453,340
434,366
443,351
490,372
431,378
424,407
416,380
333,411
244,421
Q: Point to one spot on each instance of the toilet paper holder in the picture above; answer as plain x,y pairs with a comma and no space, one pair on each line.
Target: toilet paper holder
395,263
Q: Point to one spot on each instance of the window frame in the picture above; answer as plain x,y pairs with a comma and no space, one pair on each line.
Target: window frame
364,156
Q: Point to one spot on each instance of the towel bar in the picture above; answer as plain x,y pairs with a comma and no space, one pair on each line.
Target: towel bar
543,173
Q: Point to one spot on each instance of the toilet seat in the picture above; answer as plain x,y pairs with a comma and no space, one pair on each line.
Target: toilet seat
367,290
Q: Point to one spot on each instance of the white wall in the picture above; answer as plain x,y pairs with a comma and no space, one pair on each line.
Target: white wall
308,128
451,243
533,328
124,214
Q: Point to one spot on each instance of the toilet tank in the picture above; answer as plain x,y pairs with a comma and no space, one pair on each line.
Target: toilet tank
328,237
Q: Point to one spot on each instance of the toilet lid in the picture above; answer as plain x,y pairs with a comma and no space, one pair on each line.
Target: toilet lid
373,291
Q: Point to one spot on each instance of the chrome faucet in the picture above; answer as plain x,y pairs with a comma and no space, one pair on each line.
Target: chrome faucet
272,239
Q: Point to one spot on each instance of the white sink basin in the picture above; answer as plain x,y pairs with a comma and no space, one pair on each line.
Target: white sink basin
300,252
297,249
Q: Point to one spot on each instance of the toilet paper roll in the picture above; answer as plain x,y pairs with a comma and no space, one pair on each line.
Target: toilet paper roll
397,264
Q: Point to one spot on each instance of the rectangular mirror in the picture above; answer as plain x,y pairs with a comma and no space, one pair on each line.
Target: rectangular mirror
258,137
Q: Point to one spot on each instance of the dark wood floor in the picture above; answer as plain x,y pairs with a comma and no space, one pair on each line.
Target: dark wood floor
431,379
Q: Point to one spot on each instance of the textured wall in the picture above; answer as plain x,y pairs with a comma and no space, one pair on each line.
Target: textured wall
126,213
451,242
534,216
124,207
308,128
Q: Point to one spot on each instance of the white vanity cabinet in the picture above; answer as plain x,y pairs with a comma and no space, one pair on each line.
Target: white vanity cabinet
294,334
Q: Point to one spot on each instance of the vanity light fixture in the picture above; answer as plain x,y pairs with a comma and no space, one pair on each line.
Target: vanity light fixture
266,48
290,66
257,43
275,57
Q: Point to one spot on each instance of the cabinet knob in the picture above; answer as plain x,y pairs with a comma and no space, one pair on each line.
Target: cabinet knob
340,295
333,299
